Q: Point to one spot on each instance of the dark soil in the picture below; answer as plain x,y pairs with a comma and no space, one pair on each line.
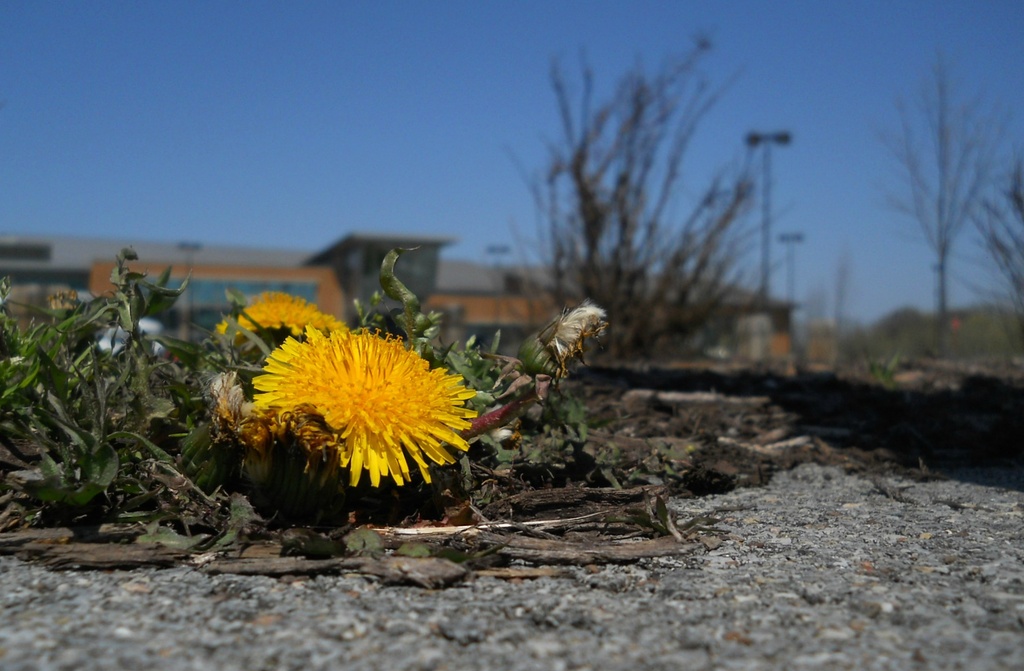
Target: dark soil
653,433
725,427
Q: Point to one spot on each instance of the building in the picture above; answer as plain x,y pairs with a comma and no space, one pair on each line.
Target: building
39,267
356,260
482,300
475,299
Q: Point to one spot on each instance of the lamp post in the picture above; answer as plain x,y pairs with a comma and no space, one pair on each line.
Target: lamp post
755,139
791,240
497,252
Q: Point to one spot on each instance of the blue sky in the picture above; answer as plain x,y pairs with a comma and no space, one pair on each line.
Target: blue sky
287,124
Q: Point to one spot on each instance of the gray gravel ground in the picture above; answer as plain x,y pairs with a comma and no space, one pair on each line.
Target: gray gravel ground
818,570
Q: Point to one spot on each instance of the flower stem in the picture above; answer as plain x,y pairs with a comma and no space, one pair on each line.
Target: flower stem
501,416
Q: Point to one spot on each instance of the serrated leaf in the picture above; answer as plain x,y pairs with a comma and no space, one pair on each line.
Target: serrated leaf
100,467
50,468
169,537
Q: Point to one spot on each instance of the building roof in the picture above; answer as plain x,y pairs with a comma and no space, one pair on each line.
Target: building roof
57,254
371,236
467,277
366,238
37,252
470,277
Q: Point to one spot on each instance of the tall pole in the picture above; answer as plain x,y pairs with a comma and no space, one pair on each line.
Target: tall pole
497,252
755,139
791,240
766,227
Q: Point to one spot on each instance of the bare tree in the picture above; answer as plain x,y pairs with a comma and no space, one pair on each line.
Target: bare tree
608,202
1001,224
946,152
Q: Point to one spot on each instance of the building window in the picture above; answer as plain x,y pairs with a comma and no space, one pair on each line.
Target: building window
24,252
213,292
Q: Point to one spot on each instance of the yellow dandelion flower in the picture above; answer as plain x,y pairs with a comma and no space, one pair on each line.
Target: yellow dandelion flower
274,310
379,401
284,460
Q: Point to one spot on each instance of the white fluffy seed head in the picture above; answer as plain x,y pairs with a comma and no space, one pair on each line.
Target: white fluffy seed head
576,325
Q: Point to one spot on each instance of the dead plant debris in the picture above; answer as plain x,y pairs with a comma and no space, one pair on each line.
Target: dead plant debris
654,434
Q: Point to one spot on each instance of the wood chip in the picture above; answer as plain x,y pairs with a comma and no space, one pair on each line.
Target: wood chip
689,397
545,551
429,572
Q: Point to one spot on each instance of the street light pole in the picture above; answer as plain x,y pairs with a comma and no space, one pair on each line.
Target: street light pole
791,240
497,252
755,139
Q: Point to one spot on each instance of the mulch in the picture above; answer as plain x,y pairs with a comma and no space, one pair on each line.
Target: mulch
747,423
673,431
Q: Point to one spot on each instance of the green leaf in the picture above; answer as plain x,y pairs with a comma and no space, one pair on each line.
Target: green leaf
162,299
241,516
169,538
364,543
100,467
311,544
50,468
145,442
415,550
55,375
234,329
395,290
235,297
83,495
98,471
138,309
662,512
124,313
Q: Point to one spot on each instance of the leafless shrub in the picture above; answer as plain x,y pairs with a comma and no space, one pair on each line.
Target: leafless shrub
1001,224
609,198
946,152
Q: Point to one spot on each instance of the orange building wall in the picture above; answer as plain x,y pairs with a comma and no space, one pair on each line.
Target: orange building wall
475,309
330,298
